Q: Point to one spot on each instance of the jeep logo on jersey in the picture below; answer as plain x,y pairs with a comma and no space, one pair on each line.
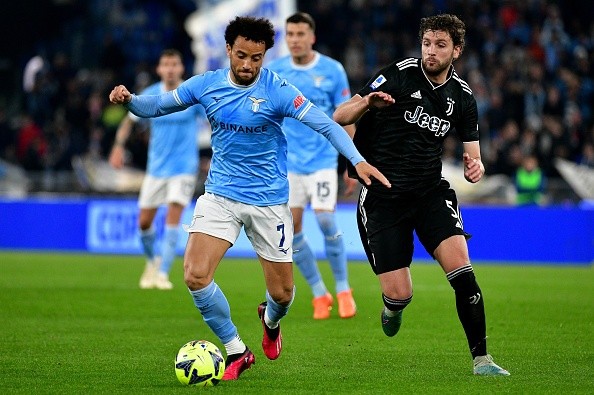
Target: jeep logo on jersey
426,121
256,103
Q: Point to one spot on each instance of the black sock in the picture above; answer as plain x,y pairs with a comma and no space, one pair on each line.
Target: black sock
471,309
396,304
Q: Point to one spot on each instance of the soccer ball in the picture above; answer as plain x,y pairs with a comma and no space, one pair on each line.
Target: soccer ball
199,363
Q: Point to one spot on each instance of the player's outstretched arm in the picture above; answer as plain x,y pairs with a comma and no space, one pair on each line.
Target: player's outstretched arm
350,111
146,106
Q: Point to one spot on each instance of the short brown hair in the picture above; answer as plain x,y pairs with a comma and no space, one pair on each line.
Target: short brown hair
445,22
171,52
302,17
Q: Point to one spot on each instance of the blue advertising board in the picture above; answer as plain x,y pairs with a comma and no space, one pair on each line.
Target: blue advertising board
557,235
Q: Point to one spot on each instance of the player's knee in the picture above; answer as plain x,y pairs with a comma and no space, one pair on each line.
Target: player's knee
144,223
396,304
195,278
327,222
146,226
194,282
396,287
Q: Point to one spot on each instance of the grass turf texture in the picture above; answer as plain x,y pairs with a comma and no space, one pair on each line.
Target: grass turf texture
79,323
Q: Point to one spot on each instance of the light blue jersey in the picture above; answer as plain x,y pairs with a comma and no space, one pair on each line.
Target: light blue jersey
249,162
173,148
324,82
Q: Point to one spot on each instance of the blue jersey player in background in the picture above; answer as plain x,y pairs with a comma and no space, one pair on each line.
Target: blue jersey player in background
247,182
312,163
170,174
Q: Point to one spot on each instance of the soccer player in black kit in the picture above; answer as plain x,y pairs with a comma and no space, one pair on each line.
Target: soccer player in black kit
403,115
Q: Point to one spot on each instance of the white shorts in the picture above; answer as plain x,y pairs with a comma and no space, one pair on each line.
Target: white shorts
158,191
269,229
320,189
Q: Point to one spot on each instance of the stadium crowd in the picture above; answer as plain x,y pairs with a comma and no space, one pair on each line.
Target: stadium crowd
529,64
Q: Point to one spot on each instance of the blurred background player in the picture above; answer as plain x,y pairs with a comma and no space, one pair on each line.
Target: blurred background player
170,173
312,163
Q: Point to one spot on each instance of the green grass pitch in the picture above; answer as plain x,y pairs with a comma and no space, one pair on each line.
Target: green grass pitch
73,323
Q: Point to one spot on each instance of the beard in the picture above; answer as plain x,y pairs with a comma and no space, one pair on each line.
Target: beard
437,68
241,80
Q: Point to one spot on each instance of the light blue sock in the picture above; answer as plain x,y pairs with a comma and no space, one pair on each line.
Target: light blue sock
335,251
169,246
276,311
215,310
306,262
147,239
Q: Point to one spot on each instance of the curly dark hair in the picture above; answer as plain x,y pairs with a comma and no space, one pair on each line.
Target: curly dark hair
258,30
445,22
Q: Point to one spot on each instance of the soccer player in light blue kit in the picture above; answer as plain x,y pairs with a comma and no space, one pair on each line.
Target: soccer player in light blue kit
312,163
171,171
247,182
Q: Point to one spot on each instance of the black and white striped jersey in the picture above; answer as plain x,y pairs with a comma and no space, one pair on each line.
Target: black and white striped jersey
404,140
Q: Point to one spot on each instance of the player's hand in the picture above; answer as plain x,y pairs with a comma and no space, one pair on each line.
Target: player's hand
473,168
366,171
120,95
116,157
379,99
349,184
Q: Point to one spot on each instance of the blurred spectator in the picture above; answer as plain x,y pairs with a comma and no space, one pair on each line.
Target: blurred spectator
62,73
554,104
112,57
32,68
505,150
587,156
31,148
7,137
534,96
535,48
528,143
530,182
40,90
553,143
495,117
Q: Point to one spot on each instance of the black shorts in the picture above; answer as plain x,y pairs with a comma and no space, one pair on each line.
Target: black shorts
386,225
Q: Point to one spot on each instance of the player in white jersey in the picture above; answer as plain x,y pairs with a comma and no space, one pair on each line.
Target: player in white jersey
171,171
312,163
247,182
